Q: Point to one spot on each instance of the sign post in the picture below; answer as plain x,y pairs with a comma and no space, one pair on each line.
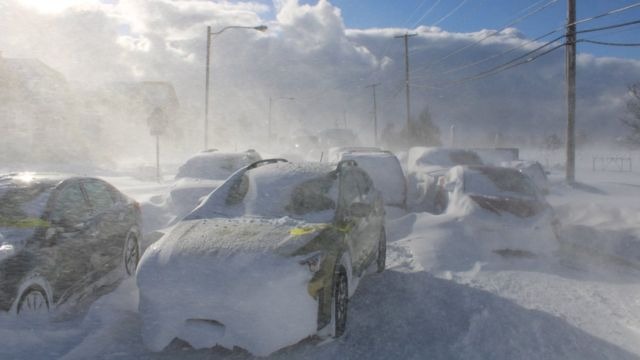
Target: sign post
158,123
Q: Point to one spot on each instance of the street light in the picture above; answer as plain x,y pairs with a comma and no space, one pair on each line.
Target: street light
271,100
261,28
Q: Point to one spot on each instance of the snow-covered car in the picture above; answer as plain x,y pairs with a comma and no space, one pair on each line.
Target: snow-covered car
425,165
202,173
62,239
329,138
269,258
534,170
383,167
502,208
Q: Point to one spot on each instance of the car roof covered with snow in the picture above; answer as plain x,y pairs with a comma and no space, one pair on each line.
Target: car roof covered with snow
214,165
266,190
437,157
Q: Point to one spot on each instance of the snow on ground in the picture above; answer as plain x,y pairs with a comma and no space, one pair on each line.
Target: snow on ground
438,299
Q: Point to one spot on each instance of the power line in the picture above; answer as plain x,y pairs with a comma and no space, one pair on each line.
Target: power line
491,57
610,12
514,22
607,13
516,61
427,12
607,43
609,27
450,13
506,66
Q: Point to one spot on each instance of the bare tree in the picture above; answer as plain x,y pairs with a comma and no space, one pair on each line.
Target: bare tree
632,118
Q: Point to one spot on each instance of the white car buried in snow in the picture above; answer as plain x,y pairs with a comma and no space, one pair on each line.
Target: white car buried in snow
268,259
502,210
202,173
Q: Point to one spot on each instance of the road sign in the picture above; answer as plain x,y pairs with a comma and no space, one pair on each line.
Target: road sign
157,121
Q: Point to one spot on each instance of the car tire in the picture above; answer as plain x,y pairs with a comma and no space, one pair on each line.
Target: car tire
33,302
131,253
381,260
340,302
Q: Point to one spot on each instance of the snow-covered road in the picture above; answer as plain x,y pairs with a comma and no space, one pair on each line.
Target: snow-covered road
439,299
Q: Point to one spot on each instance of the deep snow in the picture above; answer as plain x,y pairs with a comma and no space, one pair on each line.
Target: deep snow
439,298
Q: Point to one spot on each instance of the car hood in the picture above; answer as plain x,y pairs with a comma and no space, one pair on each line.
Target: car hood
224,237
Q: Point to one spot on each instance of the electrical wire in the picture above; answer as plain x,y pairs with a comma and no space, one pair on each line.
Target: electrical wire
429,10
606,43
514,22
450,13
615,26
525,59
610,12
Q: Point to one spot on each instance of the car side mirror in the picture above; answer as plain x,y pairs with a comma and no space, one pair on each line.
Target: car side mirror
360,209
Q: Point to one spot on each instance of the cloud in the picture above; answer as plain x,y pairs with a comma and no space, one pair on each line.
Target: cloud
309,54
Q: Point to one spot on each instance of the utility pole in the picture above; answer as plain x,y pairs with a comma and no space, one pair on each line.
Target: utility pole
375,114
406,37
206,91
570,68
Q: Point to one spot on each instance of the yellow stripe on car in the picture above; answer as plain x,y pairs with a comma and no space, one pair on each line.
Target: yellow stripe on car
23,223
304,230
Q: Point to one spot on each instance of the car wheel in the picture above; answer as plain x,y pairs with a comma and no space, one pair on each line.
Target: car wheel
381,261
340,302
131,254
33,302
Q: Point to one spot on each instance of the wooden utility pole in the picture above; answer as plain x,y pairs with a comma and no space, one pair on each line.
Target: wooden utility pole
406,37
206,91
375,114
570,68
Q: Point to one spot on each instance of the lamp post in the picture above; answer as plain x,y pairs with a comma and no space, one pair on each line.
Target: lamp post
207,76
271,100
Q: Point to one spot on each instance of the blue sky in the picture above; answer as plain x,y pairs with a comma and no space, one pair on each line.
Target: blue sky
474,15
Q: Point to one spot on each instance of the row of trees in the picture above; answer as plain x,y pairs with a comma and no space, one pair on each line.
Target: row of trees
423,132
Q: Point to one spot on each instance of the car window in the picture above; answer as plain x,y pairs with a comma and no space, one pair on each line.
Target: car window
312,196
238,190
349,188
70,205
100,196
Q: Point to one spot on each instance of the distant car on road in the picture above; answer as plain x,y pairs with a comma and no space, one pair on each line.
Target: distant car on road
204,172
504,207
268,259
383,167
329,138
62,239
425,165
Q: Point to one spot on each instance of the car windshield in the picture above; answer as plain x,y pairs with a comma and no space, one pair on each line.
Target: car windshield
303,195
498,182
449,158
212,166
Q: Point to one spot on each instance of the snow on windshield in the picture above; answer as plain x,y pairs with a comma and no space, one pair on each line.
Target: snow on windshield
212,166
498,182
274,191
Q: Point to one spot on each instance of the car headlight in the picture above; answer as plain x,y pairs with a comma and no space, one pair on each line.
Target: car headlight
313,261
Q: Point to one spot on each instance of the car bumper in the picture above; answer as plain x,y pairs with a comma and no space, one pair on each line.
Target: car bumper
257,302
